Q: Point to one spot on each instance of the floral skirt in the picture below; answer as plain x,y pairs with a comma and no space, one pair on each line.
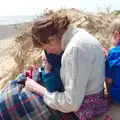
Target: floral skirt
93,105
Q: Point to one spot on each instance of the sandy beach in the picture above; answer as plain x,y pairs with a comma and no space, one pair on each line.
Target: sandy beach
8,31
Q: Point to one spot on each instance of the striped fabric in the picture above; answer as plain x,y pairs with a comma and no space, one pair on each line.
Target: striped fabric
17,103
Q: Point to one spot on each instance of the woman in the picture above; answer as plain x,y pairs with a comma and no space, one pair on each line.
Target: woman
82,71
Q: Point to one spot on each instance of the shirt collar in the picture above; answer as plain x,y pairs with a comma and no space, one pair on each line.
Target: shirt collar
68,35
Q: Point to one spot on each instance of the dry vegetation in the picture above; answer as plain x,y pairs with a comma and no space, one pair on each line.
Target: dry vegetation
97,24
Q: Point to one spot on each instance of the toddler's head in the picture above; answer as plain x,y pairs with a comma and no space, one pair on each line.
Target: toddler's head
115,32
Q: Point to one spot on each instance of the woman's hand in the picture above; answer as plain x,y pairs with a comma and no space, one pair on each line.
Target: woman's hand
33,86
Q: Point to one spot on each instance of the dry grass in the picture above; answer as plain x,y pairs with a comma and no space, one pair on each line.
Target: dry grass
97,24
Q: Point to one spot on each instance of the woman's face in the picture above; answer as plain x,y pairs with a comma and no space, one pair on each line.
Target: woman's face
55,45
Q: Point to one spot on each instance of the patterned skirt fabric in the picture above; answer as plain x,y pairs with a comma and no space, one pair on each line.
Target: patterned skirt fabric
17,103
93,105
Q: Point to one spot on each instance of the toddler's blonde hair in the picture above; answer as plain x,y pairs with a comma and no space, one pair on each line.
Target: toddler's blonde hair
115,26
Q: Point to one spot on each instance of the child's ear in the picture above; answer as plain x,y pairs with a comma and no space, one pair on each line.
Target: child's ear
117,35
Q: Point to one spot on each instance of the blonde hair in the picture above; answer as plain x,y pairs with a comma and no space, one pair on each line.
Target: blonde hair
115,26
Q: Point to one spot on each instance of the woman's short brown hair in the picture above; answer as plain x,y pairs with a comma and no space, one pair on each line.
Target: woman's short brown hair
49,26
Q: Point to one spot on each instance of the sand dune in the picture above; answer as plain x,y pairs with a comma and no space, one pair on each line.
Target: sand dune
6,61
7,36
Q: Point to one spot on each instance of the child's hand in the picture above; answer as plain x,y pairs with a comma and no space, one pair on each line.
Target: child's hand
108,80
47,67
105,53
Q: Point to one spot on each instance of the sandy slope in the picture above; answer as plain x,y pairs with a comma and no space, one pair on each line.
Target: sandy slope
7,35
5,59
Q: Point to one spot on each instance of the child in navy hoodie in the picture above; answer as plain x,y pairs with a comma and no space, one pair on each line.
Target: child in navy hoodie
50,79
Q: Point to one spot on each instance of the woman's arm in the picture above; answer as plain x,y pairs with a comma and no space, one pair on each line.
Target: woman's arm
75,72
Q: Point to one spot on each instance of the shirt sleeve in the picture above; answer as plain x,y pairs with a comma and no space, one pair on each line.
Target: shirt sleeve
109,65
75,72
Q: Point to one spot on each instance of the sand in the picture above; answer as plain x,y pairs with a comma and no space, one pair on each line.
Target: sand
8,31
5,58
7,36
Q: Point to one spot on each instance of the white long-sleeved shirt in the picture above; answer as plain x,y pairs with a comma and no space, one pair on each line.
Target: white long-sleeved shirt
82,70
